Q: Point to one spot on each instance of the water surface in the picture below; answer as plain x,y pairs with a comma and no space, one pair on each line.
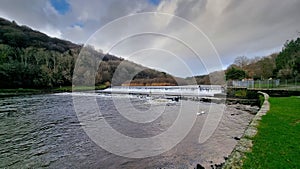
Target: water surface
43,131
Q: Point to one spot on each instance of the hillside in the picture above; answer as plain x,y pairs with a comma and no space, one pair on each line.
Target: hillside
31,59
23,37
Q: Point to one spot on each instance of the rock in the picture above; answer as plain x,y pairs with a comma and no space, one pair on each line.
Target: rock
236,138
199,167
217,166
251,109
207,100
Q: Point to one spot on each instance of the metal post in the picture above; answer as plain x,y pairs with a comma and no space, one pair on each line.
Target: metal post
295,74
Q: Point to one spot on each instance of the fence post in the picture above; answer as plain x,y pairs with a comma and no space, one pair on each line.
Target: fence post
272,83
295,83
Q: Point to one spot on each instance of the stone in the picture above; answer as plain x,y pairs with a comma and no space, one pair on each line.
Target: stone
199,167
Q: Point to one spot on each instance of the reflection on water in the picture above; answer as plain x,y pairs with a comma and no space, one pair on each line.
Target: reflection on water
43,131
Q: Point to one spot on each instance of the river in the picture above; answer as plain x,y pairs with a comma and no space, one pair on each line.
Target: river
44,131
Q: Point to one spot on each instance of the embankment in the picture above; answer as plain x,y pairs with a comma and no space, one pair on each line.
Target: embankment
235,160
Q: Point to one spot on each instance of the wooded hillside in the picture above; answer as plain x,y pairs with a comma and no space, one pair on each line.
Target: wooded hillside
31,59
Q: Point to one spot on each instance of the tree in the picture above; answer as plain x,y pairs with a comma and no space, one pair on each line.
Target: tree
285,73
288,59
233,73
241,61
265,67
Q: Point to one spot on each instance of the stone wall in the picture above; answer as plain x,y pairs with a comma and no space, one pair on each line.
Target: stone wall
235,160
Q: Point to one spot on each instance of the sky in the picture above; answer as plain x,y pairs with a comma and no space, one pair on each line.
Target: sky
181,37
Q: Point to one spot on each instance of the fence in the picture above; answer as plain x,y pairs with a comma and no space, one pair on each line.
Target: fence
285,84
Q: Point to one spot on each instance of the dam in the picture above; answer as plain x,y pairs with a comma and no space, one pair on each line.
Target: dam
188,90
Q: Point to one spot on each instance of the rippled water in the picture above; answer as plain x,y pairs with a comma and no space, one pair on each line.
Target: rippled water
43,131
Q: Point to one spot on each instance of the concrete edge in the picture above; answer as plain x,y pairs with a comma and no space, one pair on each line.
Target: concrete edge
244,145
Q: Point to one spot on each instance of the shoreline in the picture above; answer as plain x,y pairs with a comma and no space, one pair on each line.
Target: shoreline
245,144
32,91
21,92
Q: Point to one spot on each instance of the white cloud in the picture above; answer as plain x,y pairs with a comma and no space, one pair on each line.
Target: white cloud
236,27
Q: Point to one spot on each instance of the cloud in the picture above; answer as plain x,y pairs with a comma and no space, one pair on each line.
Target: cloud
235,27
39,15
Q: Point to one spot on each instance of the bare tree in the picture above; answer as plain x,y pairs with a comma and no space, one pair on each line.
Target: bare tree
241,61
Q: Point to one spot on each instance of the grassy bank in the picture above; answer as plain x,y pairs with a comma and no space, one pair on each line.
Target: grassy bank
79,88
277,144
21,91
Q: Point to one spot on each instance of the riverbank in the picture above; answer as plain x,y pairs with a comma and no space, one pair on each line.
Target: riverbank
235,160
271,140
19,92
26,91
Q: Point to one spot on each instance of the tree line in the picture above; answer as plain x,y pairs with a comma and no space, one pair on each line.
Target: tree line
35,67
282,65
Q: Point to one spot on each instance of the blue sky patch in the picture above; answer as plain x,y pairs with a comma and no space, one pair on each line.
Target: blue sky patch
61,6
80,24
154,2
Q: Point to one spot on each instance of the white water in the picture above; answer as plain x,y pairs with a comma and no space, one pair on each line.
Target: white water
192,90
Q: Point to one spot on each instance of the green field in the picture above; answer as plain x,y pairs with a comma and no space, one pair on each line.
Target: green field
277,144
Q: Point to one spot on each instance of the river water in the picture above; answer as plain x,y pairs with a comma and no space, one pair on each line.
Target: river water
44,131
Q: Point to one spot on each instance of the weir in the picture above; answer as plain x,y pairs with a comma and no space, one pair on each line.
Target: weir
189,90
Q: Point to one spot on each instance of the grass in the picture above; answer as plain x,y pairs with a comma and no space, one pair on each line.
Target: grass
21,91
261,99
18,92
291,86
79,88
257,85
277,144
